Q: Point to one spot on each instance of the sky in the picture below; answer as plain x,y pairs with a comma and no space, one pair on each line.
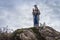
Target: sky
18,13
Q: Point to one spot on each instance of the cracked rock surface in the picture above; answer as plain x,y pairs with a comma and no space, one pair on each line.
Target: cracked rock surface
40,33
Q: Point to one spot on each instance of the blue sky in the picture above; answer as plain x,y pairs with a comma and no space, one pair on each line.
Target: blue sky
18,13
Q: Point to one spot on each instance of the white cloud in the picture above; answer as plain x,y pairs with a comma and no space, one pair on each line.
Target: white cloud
19,14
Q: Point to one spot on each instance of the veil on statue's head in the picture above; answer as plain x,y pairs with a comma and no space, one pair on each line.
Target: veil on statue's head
35,5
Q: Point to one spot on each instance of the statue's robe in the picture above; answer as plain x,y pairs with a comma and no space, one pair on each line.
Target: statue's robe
36,14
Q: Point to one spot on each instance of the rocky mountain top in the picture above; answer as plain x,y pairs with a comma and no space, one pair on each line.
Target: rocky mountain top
36,33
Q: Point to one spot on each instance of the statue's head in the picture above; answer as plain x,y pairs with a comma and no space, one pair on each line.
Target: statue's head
35,5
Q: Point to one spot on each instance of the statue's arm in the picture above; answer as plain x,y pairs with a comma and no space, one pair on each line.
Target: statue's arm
33,12
38,12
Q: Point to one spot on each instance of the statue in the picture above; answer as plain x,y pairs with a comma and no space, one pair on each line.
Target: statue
36,14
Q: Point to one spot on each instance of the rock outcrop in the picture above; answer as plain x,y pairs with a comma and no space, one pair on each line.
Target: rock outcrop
40,33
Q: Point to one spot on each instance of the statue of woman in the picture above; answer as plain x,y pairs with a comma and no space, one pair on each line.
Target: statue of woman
36,14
